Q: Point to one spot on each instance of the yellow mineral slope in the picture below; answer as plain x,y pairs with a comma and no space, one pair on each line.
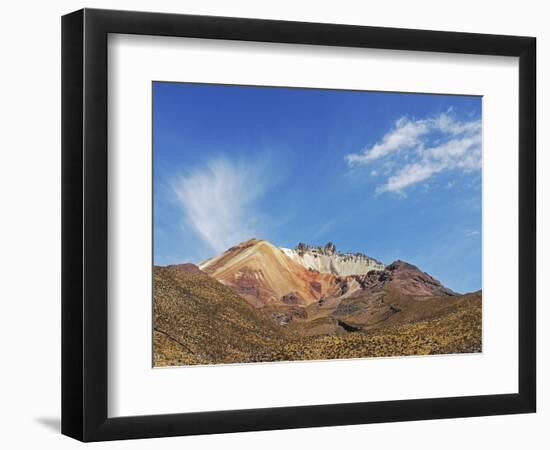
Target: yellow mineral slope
263,274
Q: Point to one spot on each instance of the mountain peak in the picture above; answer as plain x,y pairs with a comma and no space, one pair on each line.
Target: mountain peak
263,273
328,249
245,244
401,265
410,279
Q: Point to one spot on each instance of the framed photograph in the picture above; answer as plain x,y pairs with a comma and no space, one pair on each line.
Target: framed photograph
273,224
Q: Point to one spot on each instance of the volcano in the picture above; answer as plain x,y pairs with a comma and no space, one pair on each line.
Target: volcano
264,274
259,302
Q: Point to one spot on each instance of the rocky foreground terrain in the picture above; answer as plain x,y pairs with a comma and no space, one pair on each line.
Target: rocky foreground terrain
257,302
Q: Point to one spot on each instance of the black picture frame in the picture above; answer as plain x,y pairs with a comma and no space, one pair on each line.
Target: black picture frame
84,224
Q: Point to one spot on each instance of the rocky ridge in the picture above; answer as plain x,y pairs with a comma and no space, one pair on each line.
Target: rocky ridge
264,274
327,259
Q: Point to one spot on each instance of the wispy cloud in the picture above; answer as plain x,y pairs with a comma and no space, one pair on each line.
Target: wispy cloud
219,200
322,230
415,150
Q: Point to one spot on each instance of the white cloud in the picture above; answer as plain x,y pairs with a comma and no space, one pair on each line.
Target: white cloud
410,174
405,135
218,201
415,150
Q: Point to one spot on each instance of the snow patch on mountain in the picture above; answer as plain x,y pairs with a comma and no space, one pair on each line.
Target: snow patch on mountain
327,260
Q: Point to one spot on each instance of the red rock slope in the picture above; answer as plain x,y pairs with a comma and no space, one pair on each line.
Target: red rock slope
263,273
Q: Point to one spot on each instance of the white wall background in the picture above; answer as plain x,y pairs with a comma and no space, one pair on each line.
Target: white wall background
30,226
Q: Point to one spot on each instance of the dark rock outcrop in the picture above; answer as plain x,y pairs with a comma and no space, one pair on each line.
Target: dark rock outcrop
404,278
347,326
292,298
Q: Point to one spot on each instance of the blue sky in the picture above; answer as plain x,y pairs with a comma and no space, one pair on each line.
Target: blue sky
392,175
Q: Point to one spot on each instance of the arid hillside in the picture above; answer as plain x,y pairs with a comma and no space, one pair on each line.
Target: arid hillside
197,320
396,311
